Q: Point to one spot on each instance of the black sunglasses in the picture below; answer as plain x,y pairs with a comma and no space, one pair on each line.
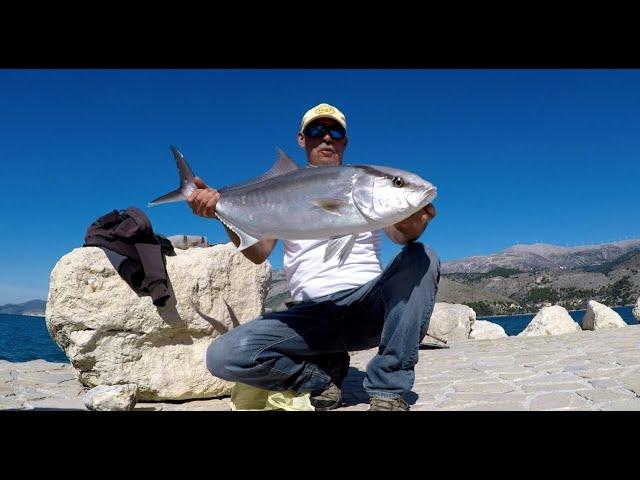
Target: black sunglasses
319,131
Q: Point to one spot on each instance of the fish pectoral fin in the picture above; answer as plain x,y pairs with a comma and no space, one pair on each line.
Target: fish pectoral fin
341,246
246,240
330,205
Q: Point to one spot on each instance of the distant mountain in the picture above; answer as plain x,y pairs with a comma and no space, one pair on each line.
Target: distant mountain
34,308
531,276
630,260
278,292
450,291
523,278
540,256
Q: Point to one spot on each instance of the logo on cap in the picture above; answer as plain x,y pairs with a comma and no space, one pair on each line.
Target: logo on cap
322,110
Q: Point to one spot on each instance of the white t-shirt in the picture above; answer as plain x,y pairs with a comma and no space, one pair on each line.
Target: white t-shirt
309,276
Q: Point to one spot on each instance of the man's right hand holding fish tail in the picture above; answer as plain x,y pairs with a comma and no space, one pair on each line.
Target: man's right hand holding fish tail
203,200
203,203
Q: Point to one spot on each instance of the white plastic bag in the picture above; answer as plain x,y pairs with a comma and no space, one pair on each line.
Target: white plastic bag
245,397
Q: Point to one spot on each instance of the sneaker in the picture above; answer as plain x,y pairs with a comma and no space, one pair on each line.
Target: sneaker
336,365
381,404
328,399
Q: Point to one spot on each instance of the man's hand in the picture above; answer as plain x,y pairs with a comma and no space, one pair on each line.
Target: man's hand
203,201
411,227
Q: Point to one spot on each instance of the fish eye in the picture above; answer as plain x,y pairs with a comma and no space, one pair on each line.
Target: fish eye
397,182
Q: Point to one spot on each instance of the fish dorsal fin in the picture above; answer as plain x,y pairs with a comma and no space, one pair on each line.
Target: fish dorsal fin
282,166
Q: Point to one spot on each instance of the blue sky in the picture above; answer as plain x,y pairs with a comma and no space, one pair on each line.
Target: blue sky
518,156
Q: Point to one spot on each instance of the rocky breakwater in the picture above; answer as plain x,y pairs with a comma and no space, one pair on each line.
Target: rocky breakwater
555,320
552,320
450,322
112,336
453,322
599,316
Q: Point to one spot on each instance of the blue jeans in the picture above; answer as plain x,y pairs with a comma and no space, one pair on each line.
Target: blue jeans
392,311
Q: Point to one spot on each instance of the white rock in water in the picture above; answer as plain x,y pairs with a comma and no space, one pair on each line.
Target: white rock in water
112,336
111,397
554,320
599,316
484,330
451,322
636,310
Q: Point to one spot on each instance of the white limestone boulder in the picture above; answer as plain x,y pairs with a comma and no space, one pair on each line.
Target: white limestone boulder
599,316
451,322
636,310
113,336
111,397
553,320
484,330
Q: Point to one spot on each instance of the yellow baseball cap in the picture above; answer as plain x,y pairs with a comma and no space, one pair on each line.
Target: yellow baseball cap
323,110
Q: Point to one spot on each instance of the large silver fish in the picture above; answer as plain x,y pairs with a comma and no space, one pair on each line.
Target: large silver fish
336,203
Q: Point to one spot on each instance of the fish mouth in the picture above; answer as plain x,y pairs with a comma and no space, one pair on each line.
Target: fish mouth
427,196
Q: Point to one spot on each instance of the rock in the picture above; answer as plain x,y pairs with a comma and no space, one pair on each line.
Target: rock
112,336
636,310
484,330
451,322
599,316
111,397
553,320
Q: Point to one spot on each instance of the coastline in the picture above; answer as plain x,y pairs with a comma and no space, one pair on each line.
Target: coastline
28,314
535,313
42,315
